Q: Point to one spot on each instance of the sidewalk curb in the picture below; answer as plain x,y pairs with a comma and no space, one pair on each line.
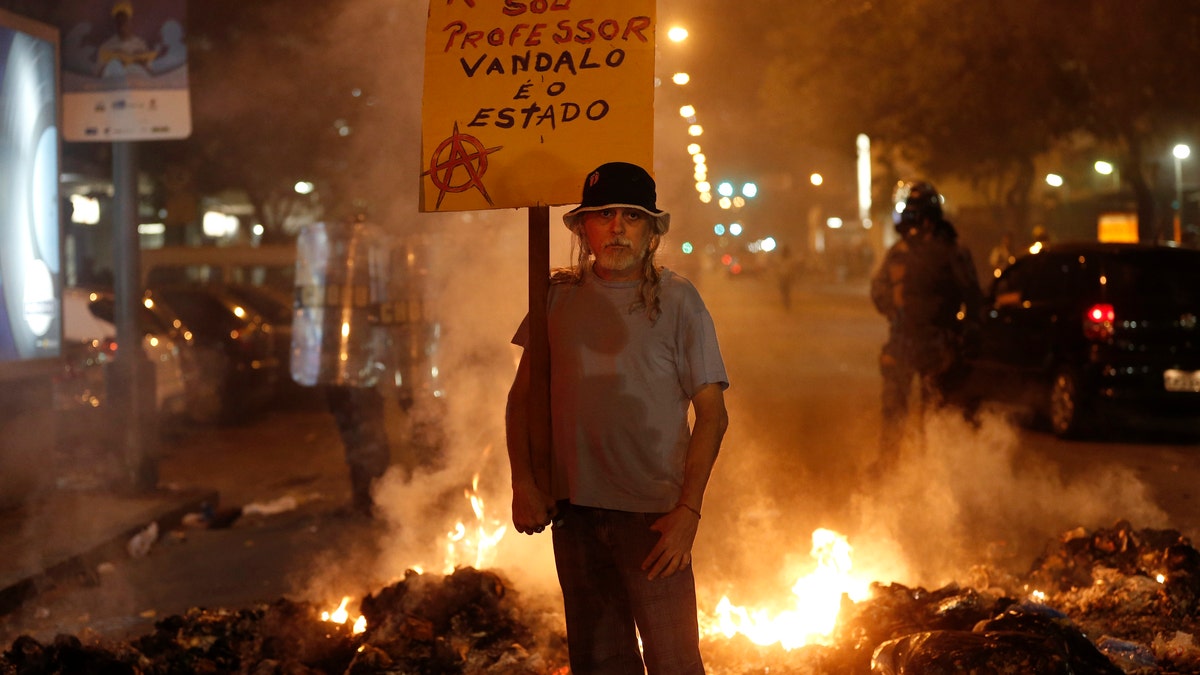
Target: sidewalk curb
107,544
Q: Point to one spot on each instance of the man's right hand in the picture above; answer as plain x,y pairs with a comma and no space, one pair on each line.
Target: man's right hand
532,509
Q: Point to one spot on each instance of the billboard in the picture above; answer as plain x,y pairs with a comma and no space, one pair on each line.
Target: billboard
523,99
125,70
30,259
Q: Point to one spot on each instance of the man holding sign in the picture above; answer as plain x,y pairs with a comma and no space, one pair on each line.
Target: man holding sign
632,350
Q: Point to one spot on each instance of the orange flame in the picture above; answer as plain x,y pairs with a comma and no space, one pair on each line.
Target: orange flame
818,601
341,616
474,545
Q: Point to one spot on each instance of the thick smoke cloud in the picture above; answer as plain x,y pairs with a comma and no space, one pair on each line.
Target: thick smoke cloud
969,495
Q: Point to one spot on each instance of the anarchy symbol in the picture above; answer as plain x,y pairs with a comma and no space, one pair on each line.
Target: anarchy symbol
453,153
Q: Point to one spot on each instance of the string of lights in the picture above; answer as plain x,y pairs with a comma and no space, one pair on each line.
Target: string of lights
724,194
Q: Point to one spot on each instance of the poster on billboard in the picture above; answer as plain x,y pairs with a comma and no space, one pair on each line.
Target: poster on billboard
125,70
30,258
523,98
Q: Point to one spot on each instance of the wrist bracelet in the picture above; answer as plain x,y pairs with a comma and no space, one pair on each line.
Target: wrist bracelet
689,509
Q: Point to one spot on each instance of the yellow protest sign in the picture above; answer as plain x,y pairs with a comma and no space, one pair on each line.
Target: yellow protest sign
524,97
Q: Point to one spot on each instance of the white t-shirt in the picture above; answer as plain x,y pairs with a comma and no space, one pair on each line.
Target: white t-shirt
621,387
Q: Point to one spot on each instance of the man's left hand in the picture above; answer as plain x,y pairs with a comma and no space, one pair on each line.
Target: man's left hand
673,551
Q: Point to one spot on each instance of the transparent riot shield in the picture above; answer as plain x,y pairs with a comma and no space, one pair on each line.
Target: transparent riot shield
413,332
341,281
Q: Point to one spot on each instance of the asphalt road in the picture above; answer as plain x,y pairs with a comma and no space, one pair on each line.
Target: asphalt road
804,429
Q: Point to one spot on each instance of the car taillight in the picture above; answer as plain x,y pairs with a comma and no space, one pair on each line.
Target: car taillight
1098,321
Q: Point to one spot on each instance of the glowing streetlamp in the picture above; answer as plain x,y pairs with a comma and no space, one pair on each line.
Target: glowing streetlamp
1181,152
1107,169
863,145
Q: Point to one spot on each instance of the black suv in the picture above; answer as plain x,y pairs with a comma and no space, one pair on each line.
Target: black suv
1086,332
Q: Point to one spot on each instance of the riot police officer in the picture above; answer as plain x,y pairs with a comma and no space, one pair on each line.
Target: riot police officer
928,290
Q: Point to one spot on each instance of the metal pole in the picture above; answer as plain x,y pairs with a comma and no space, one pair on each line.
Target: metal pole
132,381
539,344
1178,198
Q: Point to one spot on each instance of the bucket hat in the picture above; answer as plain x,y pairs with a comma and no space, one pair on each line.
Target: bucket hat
619,185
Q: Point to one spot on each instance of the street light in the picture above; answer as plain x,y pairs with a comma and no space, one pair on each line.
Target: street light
1108,169
1181,152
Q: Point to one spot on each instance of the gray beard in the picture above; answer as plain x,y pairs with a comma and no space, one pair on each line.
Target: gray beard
620,260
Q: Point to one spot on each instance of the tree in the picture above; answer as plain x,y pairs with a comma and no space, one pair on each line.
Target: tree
326,92
266,107
983,89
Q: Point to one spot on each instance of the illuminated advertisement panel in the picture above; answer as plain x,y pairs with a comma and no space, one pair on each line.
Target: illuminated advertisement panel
30,269
125,70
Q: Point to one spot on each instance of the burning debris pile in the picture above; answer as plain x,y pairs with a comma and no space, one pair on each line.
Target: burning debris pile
467,622
1111,601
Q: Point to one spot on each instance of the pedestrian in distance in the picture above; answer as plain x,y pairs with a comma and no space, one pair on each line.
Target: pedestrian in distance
632,349
1001,255
786,271
927,288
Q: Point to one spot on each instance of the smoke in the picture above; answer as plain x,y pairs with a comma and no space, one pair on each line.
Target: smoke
962,496
477,294
966,494
474,287
804,432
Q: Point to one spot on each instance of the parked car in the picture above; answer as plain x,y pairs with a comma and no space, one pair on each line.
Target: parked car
276,308
1087,333
235,351
79,384
89,316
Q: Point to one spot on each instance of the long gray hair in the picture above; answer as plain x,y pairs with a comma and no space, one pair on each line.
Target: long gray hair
651,271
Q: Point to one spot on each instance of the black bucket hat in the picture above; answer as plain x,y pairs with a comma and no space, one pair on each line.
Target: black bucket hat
619,185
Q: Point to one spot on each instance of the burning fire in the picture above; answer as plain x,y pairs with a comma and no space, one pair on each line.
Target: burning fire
818,600
818,596
474,545
341,616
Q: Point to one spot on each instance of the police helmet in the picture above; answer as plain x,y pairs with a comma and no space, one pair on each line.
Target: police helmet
917,203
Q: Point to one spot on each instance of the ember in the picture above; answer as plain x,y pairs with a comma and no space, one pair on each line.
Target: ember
341,616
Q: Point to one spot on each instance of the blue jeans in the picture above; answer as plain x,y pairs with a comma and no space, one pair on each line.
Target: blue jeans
609,601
